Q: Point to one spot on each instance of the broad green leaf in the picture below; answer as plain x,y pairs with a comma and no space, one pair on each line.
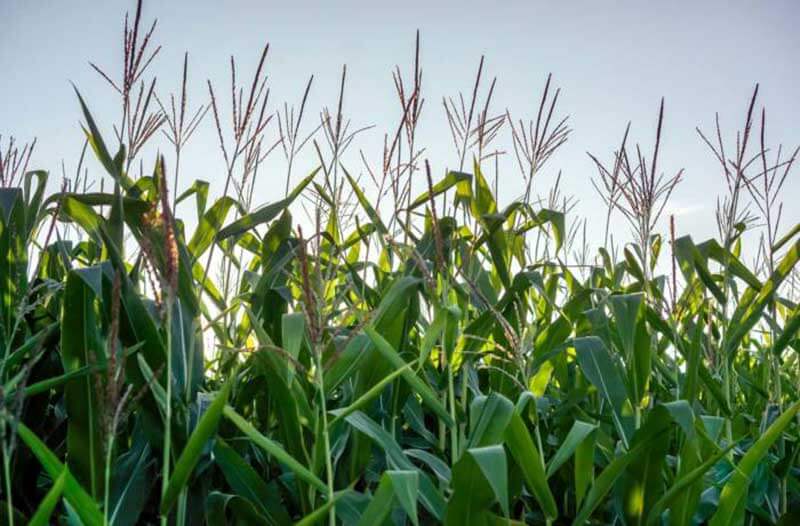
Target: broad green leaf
489,418
244,480
449,181
205,430
370,395
264,214
632,331
402,486
426,393
200,190
321,513
735,490
210,223
527,457
584,467
274,449
112,165
57,381
479,481
82,502
82,349
131,482
681,485
217,505
603,483
49,502
753,302
373,215
786,238
293,332
428,494
601,370
790,330
579,432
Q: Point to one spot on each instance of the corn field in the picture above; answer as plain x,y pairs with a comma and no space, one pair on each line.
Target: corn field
388,343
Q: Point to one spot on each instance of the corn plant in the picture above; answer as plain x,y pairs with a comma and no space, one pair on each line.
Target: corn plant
412,351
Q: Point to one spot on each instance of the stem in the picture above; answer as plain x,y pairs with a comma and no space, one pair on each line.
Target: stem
175,183
168,409
107,489
181,514
726,378
7,477
452,397
325,434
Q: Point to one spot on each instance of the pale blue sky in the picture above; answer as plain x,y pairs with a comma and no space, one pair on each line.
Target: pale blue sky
613,62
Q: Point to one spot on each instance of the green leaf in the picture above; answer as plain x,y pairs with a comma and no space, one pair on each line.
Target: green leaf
786,238
132,480
286,395
200,189
642,465
84,504
643,482
112,166
210,223
49,502
692,261
579,432
321,513
264,214
527,457
428,494
584,467
681,485
429,398
604,482
274,449
601,370
450,180
373,215
205,430
370,395
244,480
245,513
735,490
56,381
480,479
400,486
790,329
293,332
489,418
753,302
82,349
632,331
626,309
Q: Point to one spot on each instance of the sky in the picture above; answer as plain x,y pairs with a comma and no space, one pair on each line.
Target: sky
612,60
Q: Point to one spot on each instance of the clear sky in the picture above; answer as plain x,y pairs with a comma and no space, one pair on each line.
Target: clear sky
613,61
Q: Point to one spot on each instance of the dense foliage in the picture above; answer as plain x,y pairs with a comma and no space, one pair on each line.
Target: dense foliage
433,359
